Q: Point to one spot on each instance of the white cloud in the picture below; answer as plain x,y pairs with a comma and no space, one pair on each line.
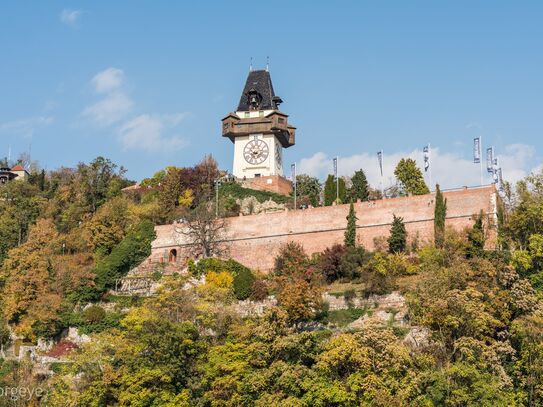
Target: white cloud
70,17
108,80
25,127
112,108
448,169
146,132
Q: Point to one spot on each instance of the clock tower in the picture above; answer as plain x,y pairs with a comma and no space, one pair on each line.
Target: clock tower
259,131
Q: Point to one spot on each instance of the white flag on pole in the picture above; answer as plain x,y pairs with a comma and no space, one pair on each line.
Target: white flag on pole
477,150
380,158
426,153
490,160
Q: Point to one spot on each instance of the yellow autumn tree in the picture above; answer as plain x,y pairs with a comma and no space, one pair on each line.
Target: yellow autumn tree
30,303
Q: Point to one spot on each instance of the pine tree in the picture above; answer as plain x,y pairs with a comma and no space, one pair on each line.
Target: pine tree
397,241
330,190
360,188
440,213
411,177
350,232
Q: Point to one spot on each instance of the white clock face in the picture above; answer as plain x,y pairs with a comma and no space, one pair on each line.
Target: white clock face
256,152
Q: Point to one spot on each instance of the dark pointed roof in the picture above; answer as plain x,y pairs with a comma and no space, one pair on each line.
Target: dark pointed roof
259,81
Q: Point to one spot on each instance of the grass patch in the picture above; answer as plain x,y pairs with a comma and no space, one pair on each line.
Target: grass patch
237,191
338,289
344,317
409,283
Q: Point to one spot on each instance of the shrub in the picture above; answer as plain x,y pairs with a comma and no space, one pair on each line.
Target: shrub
351,262
259,290
94,314
292,260
349,296
243,277
222,279
243,283
378,274
330,262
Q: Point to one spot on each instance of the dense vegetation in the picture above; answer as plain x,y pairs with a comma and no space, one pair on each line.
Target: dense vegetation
69,235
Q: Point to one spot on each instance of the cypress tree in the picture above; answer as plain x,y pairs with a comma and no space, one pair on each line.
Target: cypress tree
440,213
330,190
350,232
397,241
41,180
476,238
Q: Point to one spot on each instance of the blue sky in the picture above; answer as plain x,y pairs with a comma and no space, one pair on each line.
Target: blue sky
146,83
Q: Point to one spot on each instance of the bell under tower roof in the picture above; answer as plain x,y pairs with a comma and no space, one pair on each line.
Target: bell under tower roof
258,93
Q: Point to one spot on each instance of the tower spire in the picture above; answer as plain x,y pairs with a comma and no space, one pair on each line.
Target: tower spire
251,65
267,64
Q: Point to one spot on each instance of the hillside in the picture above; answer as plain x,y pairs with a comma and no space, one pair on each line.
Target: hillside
442,322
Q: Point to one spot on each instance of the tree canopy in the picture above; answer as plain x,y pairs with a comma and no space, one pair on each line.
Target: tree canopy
410,177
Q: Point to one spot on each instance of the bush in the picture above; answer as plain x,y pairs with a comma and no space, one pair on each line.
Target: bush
205,266
379,274
93,320
243,277
341,262
292,260
349,296
351,262
243,283
259,291
330,262
94,314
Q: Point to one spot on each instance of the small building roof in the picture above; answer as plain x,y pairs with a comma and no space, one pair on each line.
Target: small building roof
18,167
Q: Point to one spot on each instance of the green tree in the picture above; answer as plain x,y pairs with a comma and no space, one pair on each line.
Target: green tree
476,238
309,188
331,190
397,241
350,232
440,213
170,191
131,251
100,181
360,188
410,176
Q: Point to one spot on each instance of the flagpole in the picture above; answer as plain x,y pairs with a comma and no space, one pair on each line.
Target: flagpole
382,176
337,181
295,186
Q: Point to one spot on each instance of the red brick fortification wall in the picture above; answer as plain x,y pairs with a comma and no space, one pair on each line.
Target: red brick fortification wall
255,240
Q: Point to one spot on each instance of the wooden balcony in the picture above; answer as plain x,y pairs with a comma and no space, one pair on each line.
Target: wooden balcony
274,123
